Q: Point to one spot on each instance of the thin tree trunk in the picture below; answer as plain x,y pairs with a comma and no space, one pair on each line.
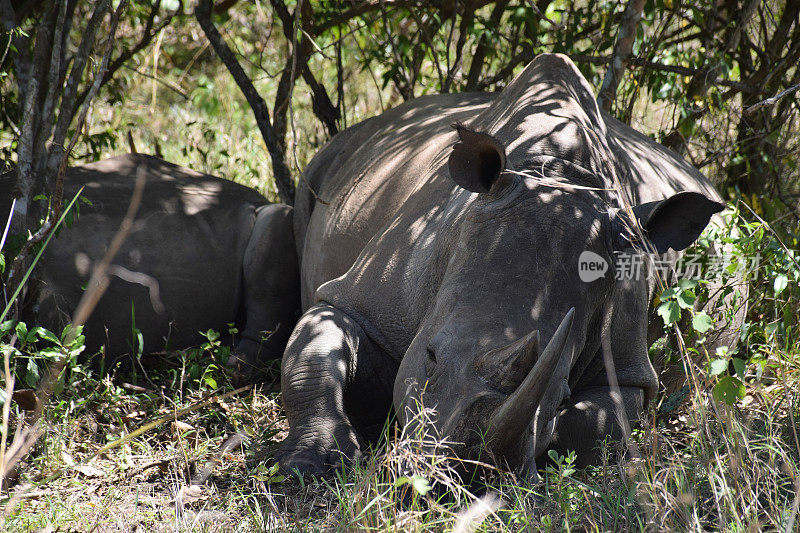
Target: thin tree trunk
283,177
622,53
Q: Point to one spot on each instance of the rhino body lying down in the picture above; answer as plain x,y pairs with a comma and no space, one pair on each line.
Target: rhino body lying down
445,272
210,251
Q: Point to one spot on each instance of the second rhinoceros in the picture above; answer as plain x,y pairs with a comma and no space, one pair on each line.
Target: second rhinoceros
443,269
203,253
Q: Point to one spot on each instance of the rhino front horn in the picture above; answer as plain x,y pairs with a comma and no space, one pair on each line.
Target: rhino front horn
508,422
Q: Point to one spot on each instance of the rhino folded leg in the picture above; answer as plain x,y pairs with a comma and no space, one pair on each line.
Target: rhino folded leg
326,364
590,417
271,280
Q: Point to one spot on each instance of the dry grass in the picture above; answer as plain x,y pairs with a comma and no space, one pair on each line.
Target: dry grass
706,467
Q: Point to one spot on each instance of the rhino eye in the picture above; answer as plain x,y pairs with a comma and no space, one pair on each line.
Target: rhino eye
431,354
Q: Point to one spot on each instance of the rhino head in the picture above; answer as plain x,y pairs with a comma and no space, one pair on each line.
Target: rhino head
511,328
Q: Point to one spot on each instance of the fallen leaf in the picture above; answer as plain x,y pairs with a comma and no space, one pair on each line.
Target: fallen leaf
89,471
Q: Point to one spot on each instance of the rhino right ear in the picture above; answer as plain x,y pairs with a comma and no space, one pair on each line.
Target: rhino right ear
477,160
675,222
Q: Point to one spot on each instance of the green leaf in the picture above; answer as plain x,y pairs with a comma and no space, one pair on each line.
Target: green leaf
39,332
49,335
740,366
702,322
22,332
670,311
667,294
32,374
210,381
780,283
686,299
270,475
420,484
687,283
717,367
728,390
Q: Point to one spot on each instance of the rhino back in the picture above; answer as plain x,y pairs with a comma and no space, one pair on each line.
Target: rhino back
368,174
184,250
651,171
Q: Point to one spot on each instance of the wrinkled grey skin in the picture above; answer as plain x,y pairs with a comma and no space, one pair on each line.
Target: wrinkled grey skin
215,250
431,264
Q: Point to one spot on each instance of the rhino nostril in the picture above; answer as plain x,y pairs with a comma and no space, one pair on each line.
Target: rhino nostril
431,354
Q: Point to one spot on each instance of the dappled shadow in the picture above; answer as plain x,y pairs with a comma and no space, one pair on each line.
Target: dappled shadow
189,237
426,267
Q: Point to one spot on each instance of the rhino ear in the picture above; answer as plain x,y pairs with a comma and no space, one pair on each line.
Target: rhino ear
477,160
677,221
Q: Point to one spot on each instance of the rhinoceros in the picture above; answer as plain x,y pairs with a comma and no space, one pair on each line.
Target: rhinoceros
440,268
204,252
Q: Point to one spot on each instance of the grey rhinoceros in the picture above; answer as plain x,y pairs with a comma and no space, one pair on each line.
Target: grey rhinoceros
204,252
436,260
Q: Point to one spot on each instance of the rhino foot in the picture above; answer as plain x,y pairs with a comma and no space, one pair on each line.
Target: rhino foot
319,452
249,362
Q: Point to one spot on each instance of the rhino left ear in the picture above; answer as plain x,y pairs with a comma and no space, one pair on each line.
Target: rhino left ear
477,160
677,221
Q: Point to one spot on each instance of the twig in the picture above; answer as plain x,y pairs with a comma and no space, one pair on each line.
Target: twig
773,100
150,464
9,390
234,441
166,84
40,493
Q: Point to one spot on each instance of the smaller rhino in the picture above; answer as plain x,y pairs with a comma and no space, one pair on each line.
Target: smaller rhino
204,252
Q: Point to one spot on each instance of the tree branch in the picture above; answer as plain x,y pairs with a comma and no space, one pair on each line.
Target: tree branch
30,126
621,55
321,103
476,66
283,177
67,111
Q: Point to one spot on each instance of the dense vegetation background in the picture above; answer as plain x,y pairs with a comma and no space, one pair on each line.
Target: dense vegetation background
250,91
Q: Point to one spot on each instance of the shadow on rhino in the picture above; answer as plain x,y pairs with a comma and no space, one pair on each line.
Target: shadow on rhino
442,269
204,253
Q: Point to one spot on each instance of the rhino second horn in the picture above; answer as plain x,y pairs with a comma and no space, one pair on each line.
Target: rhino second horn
507,367
508,422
